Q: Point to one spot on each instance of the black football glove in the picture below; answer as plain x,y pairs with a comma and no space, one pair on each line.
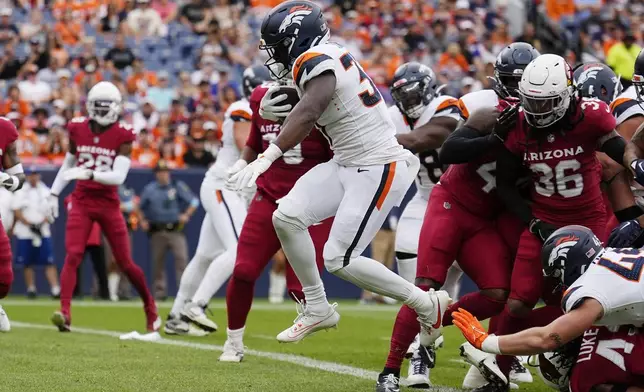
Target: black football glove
628,234
506,121
541,229
35,229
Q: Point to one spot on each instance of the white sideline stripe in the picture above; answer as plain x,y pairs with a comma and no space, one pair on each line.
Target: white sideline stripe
167,305
331,367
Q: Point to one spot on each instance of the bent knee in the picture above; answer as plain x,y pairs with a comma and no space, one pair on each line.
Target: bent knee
246,272
282,221
428,283
500,295
518,308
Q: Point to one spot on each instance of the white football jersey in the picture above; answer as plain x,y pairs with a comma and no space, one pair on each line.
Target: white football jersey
626,106
430,169
614,281
469,103
356,122
229,153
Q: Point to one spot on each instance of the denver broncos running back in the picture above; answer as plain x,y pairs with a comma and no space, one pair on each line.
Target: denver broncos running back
99,160
369,174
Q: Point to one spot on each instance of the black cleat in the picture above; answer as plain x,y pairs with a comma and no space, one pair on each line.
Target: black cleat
388,383
60,321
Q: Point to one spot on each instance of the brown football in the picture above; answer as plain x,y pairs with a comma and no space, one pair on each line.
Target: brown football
292,97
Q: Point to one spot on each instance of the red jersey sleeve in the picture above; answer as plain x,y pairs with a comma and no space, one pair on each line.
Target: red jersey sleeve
598,116
9,132
254,140
127,132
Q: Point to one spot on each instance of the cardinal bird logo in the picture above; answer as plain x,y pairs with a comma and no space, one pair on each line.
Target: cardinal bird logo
295,16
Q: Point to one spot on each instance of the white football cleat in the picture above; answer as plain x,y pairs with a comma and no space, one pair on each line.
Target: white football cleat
419,365
432,323
195,313
306,324
473,379
519,373
413,347
177,326
486,364
5,325
232,352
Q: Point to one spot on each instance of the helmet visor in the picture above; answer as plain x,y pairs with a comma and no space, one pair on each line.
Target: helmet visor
278,62
408,96
510,83
638,82
541,111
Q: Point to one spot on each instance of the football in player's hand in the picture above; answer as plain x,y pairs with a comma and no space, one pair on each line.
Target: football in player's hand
483,120
292,97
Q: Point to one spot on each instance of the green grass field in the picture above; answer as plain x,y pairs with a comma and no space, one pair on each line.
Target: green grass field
36,357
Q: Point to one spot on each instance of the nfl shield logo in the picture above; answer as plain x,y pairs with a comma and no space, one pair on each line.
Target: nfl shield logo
551,138
96,139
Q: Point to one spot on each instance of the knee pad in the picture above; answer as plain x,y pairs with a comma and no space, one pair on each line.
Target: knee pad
333,264
500,295
285,222
246,271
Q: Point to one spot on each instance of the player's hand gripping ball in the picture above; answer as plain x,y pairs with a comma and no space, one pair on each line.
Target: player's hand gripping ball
278,102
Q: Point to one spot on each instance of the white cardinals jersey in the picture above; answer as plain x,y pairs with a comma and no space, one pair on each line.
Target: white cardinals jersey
229,153
614,280
430,168
626,106
469,103
356,122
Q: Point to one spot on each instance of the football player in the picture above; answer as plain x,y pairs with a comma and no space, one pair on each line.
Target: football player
602,288
214,258
555,137
461,216
99,160
369,174
11,178
423,121
258,240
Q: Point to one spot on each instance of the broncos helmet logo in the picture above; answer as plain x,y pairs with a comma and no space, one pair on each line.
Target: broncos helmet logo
560,253
295,16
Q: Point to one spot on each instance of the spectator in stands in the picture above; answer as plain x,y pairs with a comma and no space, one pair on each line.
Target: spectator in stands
213,136
32,229
223,81
49,74
87,52
146,117
33,90
15,103
33,28
171,151
177,116
621,58
140,79
9,33
120,56
57,119
40,127
58,50
38,53
167,10
67,91
162,94
10,65
203,93
69,29
227,96
166,207
196,16
111,22
56,145
144,150
89,76
144,21
197,155
205,72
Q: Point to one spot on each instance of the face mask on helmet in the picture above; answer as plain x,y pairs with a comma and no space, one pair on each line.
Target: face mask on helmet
542,112
410,98
279,62
508,84
104,112
638,82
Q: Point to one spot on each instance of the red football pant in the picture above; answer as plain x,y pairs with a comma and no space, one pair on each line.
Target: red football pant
6,271
80,219
258,242
449,233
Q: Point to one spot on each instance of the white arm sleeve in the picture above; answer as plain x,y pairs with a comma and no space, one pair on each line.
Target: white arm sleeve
118,173
59,182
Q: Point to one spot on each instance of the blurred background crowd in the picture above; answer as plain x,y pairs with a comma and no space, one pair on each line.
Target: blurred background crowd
178,63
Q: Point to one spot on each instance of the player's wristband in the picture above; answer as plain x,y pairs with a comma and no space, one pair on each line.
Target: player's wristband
272,153
491,345
629,213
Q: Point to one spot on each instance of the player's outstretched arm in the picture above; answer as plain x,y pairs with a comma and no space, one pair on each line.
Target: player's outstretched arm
430,136
120,168
13,168
534,340
465,144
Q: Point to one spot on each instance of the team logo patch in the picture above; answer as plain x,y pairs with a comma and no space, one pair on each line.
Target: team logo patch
551,138
447,206
96,139
294,17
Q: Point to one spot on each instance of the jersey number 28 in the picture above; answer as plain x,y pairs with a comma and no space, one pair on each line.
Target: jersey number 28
101,163
369,99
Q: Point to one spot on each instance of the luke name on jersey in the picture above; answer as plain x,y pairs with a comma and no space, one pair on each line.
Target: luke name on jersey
238,111
614,280
356,123
431,169
626,106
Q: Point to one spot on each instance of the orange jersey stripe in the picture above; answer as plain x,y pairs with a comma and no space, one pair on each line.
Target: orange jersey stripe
617,102
388,182
464,112
447,103
303,59
241,114
219,196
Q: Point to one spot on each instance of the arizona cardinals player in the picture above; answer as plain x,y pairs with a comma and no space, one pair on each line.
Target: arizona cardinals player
99,160
556,137
461,217
11,177
258,241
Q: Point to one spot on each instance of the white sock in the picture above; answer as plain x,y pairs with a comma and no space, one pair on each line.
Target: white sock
276,286
453,282
300,252
236,335
55,290
407,268
369,274
316,302
190,280
31,288
217,274
113,280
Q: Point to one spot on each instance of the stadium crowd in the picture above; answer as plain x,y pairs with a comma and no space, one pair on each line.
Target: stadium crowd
178,64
